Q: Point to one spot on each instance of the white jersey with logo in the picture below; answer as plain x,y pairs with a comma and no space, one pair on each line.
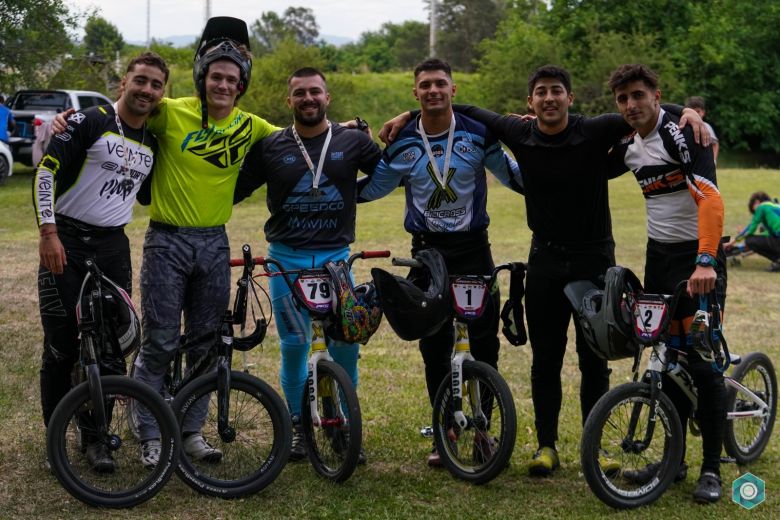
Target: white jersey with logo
90,172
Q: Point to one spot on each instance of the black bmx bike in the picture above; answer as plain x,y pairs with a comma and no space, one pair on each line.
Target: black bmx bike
637,426
92,418
243,418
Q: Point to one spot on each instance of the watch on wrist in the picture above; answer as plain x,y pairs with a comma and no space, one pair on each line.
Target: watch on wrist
706,260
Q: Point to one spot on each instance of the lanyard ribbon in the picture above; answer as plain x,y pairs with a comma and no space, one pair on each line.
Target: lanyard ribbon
317,172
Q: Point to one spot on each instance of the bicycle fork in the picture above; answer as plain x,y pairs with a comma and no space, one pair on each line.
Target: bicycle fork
319,351
224,361
462,352
652,377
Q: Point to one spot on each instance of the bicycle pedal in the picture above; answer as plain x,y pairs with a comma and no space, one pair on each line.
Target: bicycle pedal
728,460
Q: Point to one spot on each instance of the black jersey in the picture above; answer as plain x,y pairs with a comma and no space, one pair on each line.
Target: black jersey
301,216
564,175
90,172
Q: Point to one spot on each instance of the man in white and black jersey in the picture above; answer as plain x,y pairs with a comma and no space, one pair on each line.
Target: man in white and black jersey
84,190
684,228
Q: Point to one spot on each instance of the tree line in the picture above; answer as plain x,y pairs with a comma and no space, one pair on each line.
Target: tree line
723,50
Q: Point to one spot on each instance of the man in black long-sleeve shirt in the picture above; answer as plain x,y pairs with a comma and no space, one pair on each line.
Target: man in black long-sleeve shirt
563,163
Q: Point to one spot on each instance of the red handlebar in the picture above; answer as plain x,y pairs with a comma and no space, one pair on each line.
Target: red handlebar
375,254
239,262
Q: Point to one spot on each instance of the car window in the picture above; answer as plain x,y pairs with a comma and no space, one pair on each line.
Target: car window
47,101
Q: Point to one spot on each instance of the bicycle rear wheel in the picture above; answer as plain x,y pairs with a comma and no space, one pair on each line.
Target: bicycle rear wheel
72,430
481,450
334,445
616,428
253,454
746,437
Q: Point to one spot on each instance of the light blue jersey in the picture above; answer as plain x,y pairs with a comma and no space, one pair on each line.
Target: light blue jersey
458,205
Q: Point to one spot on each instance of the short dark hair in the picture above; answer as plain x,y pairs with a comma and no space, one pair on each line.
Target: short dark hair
306,72
759,196
149,58
633,72
549,71
695,102
433,64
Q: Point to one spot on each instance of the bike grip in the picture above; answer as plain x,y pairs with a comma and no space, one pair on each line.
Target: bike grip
375,254
239,262
406,262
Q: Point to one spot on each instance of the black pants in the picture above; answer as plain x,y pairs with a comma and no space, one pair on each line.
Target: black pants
58,295
548,312
766,246
465,253
666,266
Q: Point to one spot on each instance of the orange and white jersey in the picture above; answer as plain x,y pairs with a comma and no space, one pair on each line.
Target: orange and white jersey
677,177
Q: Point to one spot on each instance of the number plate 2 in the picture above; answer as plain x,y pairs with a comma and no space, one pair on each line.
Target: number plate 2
315,292
649,318
469,295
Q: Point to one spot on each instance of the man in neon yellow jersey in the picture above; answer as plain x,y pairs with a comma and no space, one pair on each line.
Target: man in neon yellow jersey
185,268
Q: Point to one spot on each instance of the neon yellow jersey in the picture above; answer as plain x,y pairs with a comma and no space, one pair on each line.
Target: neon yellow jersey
195,170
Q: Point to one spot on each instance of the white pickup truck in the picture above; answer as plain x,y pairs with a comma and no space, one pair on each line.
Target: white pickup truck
33,111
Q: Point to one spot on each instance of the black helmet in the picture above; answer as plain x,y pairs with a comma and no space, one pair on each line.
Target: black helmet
358,312
118,311
220,40
605,317
413,312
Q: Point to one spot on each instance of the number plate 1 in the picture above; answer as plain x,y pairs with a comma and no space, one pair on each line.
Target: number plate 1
469,297
316,293
649,318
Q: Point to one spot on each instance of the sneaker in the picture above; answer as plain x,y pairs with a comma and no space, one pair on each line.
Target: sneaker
608,465
708,490
646,474
198,449
774,267
150,453
545,461
434,459
298,449
99,458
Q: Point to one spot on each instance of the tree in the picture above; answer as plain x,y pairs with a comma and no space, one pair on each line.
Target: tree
270,30
33,36
462,25
393,46
102,38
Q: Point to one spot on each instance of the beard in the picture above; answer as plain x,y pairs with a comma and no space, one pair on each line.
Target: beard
309,120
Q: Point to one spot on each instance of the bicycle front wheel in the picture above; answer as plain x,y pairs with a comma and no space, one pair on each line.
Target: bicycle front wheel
479,451
247,458
115,478
333,445
750,424
641,466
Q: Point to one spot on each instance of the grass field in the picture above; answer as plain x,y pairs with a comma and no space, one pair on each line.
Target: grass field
396,483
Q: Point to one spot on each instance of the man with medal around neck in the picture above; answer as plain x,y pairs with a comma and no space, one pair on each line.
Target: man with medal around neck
83,193
310,169
440,157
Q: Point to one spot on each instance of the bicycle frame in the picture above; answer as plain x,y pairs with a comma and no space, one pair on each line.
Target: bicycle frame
92,332
220,355
465,309
318,313
665,360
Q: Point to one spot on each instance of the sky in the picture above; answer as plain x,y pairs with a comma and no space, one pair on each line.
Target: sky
347,18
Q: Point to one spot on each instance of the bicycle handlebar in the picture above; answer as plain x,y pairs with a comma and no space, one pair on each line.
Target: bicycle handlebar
509,266
368,254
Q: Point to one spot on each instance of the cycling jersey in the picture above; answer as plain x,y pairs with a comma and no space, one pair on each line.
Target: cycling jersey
767,214
90,172
302,217
677,178
197,168
461,203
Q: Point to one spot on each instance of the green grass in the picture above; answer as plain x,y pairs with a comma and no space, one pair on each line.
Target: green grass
396,483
